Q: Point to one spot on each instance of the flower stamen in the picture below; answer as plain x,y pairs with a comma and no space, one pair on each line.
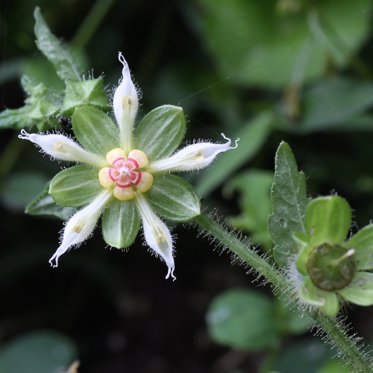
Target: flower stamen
126,174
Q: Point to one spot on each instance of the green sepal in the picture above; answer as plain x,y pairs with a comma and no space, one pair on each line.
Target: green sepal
289,201
94,130
304,250
161,131
326,301
360,289
86,92
75,186
173,198
44,204
56,53
362,243
327,220
120,223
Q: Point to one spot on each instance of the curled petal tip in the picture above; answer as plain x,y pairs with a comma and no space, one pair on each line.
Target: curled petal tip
24,135
122,60
170,272
230,141
55,263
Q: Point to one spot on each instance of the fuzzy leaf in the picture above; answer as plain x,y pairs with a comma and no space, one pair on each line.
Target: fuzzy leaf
120,224
86,92
161,131
52,48
75,186
173,198
327,220
44,204
41,108
289,201
16,118
94,130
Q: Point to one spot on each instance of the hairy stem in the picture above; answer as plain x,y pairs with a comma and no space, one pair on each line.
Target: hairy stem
337,336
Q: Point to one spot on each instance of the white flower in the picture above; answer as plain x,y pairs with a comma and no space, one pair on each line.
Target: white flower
125,175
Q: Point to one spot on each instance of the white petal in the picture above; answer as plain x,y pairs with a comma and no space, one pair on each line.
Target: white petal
81,225
156,233
125,105
63,148
192,157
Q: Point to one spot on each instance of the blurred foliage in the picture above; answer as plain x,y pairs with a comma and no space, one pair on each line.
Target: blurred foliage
293,70
254,187
37,352
271,45
248,320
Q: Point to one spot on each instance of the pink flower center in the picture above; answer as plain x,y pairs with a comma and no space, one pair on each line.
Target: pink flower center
124,172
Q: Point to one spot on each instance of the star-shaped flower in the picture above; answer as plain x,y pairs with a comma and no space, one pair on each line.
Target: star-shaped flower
125,173
330,269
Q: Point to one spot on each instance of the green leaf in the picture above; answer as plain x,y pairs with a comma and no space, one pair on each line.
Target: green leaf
161,131
94,130
173,198
41,108
362,243
75,186
252,137
16,118
120,223
87,92
332,103
253,43
289,201
254,187
242,319
37,352
44,204
328,220
52,48
360,290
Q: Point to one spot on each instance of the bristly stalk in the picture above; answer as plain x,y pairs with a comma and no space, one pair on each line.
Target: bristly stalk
335,332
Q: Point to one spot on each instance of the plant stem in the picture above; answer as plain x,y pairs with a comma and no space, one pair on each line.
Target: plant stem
91,22
337,336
